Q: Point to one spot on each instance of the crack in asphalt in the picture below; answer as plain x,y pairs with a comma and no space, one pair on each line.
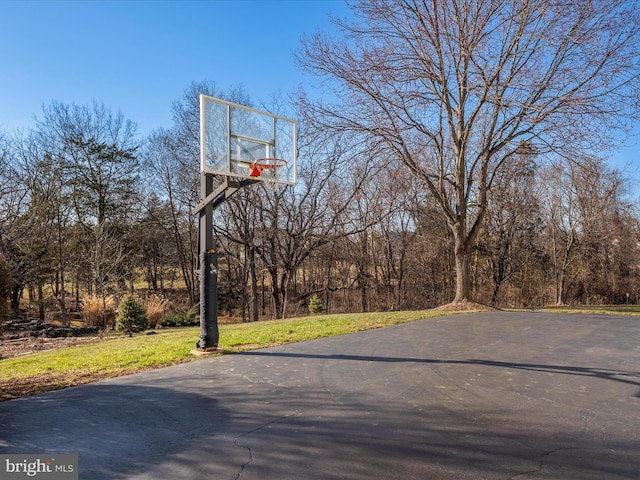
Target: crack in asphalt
244,465
544,455
262,427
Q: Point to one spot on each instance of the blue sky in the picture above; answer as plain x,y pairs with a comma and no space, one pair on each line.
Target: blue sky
137,57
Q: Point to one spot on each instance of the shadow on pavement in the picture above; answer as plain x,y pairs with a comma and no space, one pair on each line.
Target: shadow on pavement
144,432
355,439
621,376
117,430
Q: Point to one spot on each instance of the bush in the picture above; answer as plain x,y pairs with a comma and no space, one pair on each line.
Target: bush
315,305
132,316
98,313
180,318
155,310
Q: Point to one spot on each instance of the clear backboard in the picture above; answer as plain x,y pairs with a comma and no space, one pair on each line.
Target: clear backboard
242,142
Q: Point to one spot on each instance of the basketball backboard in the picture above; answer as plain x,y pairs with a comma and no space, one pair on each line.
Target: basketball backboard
233,137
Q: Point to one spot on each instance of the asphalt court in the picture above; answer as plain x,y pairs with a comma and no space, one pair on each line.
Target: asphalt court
492,395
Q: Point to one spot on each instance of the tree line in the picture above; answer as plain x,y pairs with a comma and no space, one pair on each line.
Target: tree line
461,157
87,209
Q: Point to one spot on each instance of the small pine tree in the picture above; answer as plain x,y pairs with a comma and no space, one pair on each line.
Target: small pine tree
132,316
315,305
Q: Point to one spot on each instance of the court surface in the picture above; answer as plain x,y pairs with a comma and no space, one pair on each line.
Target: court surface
492,395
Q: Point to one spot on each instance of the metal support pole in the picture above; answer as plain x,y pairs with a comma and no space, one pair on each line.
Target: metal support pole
209,334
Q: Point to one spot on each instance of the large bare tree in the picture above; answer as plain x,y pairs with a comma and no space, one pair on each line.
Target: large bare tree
452,88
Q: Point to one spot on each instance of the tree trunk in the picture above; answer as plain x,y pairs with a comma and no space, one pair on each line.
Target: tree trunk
277,303
463,247
40,302
364,298
284,290
560,288
275,292
16,293
253,300
61,271
463,275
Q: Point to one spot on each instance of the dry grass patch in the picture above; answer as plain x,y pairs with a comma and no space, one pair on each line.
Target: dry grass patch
457,307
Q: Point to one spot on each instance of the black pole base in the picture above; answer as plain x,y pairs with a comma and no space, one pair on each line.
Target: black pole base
209,333
199,352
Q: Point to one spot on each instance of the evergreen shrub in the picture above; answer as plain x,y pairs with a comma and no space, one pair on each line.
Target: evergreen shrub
132,316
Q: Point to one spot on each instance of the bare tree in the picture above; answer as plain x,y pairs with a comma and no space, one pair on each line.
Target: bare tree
582,201
371,233
6,167
44,221
237,232
563,226
624,254
14,203
429,280
33,229
175,184
397,233
514,220
295,221
598,205
452,87
153,242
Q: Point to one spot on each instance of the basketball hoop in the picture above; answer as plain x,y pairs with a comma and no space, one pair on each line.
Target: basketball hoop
267,170
258,166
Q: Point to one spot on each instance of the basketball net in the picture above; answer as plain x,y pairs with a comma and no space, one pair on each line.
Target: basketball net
268,169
